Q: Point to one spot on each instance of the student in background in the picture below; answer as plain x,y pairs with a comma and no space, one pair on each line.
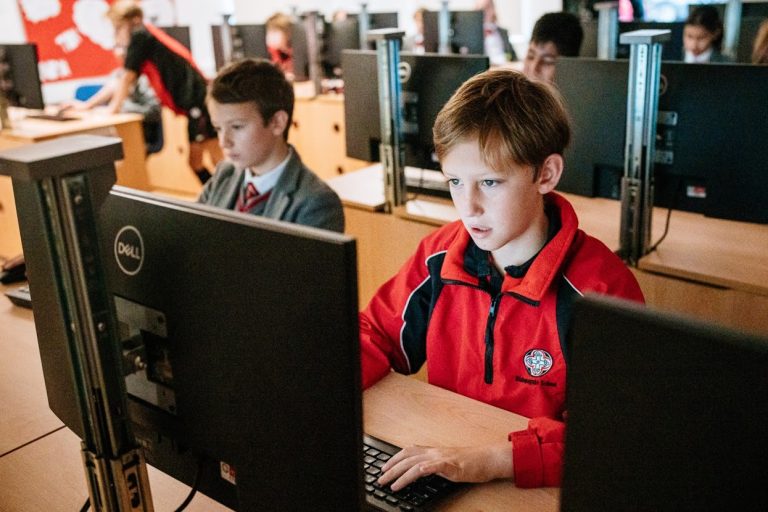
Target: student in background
251,105
141,100
497,46
760,48
279,35
555,34
703,36
415,42
176,80
485,301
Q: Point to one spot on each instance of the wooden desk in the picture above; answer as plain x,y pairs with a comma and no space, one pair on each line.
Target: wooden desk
46,474
404,410
24,413
131,171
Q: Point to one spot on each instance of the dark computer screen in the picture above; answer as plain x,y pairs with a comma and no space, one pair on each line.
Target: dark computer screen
427,82
179,33
466,32
300,47
344,34
19,75
244,350
248,41
664,413
671,50
710,135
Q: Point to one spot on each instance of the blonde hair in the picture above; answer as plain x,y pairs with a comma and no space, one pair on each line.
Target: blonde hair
760,48
281,22
124,10
514,119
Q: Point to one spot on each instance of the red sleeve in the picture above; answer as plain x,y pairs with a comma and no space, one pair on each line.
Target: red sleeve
382,321
537,453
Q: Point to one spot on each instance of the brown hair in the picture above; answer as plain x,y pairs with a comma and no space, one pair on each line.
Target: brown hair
515,120
255,80
124,10
760,49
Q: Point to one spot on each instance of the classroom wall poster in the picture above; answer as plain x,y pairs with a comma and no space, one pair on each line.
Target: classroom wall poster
74,37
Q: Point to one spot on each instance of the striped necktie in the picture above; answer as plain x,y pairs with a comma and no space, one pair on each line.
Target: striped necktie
249,198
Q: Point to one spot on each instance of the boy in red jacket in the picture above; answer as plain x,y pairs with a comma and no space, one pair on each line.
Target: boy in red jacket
486,300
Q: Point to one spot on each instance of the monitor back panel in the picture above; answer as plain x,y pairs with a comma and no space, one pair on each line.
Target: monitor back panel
234,311
466,32
664,413
427,82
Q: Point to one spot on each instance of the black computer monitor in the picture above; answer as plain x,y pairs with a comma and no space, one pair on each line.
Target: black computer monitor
466,32
427,81
300,48
710,145
671,50
664,413
344,34
179,33
251,339
19,75
248,41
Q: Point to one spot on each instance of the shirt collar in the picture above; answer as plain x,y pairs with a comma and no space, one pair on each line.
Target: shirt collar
267,181
702,57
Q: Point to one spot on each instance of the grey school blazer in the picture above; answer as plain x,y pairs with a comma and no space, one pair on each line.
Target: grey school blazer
299,195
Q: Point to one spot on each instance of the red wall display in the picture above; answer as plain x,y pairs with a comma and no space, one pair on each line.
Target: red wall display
74,38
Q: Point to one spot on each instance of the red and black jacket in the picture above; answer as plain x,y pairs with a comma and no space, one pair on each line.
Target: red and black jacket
169,67
506,349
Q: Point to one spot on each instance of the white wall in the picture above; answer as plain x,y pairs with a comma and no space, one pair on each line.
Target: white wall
516,15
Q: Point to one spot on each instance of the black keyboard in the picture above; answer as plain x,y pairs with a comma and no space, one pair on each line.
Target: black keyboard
20,296
420,495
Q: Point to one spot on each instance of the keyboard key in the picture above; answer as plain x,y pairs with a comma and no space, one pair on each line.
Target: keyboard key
409,499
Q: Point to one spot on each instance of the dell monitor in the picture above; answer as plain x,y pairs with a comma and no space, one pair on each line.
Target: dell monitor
427,81
710,151
664,412
19,76
252,375
466,32
180,34
671,49
248,41
344,34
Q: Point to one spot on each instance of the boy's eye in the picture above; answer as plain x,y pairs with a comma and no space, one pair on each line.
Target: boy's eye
454,182
490,183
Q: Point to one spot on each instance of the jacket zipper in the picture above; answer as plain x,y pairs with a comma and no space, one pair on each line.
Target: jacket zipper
489,338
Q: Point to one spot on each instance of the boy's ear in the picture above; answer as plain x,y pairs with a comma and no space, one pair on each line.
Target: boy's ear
550,172
279,122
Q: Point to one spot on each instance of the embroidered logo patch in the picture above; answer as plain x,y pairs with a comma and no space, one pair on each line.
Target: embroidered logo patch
538,362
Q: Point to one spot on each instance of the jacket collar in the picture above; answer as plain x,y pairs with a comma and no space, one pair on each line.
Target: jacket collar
280,198
545,267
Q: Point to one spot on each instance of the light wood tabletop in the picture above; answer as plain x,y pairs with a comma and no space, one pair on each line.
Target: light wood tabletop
24,412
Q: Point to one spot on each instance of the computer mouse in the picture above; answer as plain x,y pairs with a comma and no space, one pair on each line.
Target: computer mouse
13,270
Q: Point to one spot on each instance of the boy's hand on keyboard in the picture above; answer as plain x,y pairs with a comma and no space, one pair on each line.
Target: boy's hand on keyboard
465,464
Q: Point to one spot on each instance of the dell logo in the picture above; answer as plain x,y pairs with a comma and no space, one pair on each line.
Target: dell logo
404,72
129,250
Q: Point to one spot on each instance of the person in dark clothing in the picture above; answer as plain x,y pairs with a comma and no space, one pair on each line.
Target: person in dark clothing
174,76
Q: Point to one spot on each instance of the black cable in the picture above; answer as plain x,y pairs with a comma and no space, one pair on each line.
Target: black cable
675,197
666,230
86,505
195,486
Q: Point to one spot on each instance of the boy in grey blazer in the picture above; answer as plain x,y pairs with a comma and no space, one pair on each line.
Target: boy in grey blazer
251,105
